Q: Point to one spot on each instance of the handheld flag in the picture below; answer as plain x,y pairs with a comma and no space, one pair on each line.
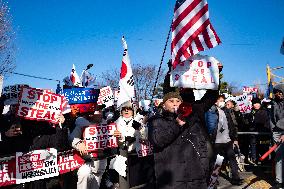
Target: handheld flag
74,78
192,31
126,82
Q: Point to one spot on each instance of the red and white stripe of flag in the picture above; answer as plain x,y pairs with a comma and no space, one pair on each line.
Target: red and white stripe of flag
192,31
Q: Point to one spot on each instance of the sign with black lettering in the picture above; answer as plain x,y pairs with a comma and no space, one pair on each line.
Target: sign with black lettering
39,104
36,165
100,137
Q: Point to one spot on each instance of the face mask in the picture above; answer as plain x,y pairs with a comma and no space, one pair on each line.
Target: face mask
221,104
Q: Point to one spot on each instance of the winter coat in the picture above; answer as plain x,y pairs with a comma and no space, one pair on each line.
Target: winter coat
211,117
277,116
180,153
232,128
260,120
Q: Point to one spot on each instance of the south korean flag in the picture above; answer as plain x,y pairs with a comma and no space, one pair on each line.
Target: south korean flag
126,83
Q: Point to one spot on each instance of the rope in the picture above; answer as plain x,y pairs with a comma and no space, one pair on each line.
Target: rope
26,75
162,59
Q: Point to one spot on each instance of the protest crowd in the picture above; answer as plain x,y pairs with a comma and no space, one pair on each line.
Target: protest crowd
81,138
87,136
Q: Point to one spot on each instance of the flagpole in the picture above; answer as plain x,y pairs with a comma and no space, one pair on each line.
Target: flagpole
162,59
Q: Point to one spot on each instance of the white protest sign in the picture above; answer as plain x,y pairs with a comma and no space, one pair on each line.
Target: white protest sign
41,105
106,97
12,93
244,103
198,72
249,90
100,137
36,165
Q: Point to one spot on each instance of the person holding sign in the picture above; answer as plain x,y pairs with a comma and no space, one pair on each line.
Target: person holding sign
177,151
90,174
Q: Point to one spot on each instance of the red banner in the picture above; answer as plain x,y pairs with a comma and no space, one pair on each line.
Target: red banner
7,171
69,161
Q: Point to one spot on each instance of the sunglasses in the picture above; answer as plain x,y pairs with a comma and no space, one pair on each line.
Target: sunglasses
126,108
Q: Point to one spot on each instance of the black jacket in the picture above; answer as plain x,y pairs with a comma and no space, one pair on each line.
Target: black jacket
260,120
180,153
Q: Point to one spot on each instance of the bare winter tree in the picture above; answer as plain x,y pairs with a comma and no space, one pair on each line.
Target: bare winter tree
6,40
144,79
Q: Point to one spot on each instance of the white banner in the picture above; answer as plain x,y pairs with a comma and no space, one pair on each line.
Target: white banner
106,97
36,165
198,72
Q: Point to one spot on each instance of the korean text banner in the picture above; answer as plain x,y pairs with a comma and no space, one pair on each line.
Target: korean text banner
198,72
106,97
81,95
39,104
36,165
12,93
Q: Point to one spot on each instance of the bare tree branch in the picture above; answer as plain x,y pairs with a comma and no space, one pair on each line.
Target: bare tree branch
7,35
144,79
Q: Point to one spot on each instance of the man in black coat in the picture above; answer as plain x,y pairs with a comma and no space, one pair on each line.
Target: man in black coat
180,149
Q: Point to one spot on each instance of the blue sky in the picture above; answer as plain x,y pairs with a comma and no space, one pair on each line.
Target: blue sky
53,34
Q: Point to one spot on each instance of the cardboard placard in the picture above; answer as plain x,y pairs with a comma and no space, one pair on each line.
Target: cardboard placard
36,165
106,97
100,137
198,72
38,104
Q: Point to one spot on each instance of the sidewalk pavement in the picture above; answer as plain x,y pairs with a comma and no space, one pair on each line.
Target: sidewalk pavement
259,177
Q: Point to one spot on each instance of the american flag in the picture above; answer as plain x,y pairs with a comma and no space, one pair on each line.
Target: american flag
192,31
